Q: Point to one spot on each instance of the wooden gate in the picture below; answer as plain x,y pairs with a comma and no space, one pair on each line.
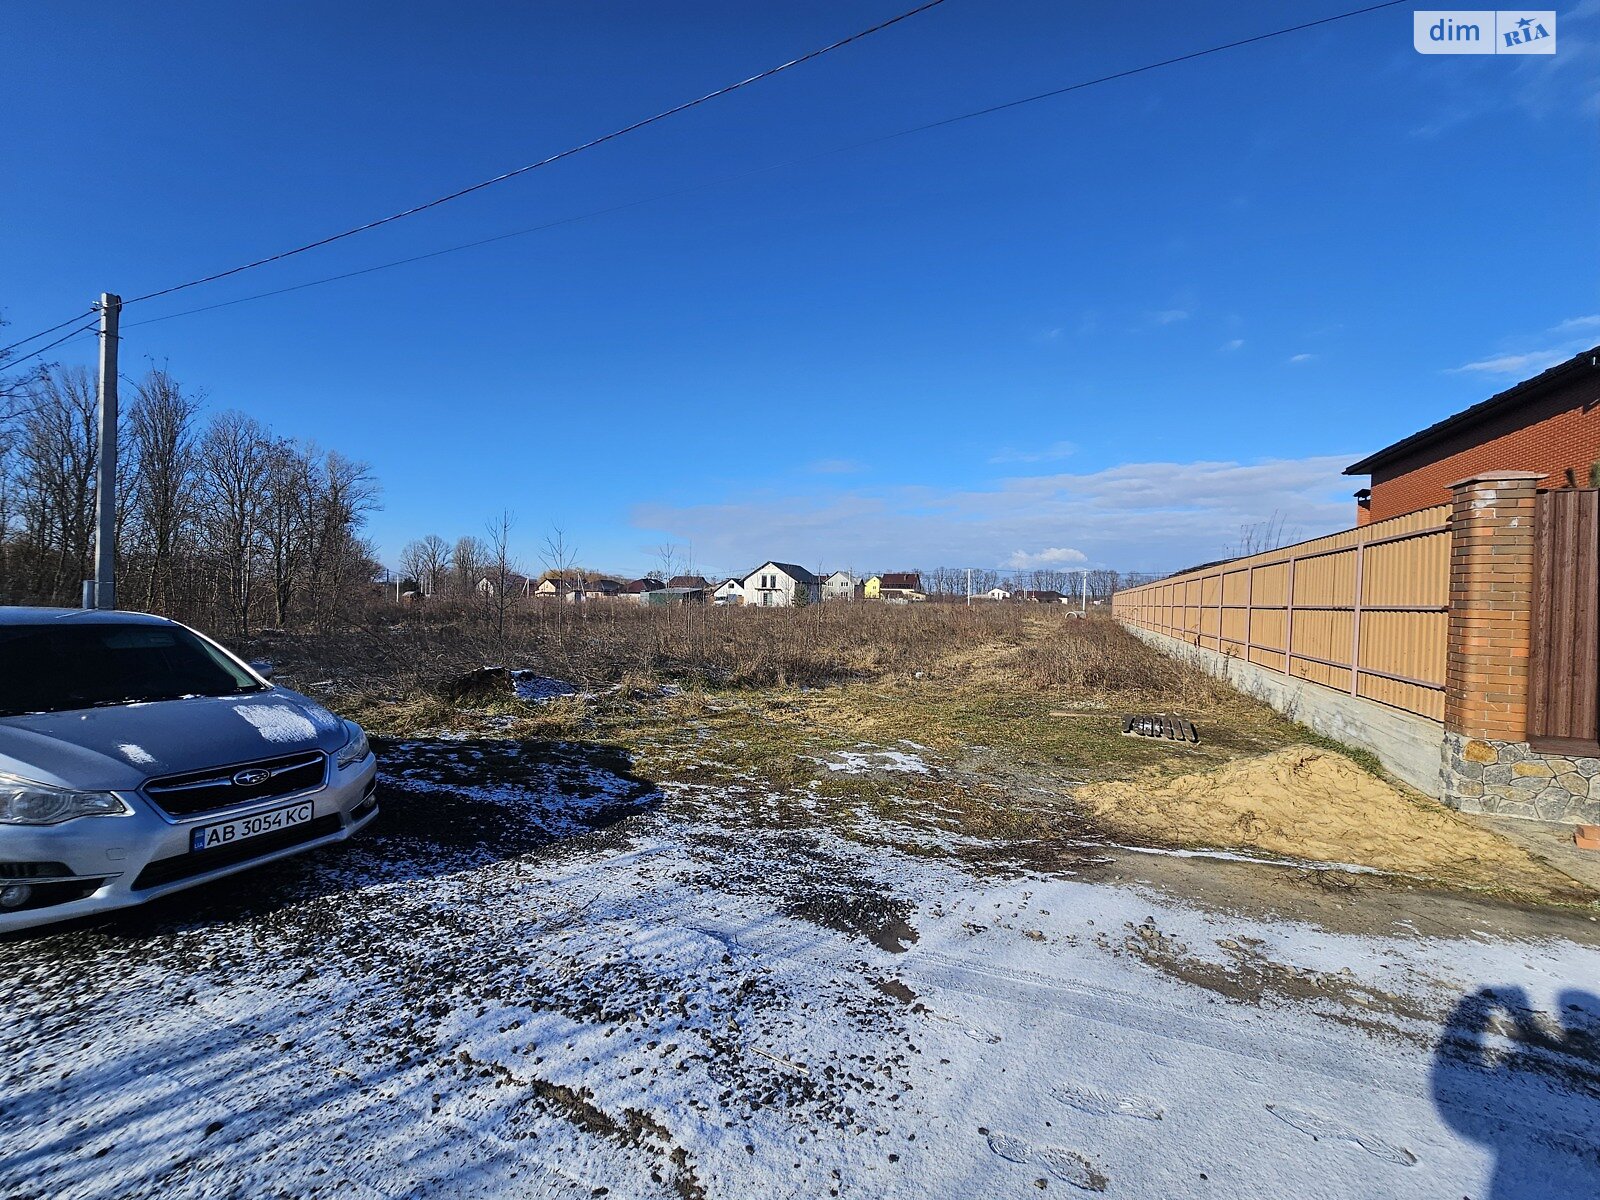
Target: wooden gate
1564,657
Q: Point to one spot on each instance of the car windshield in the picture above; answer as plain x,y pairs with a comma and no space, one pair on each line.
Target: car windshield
57,667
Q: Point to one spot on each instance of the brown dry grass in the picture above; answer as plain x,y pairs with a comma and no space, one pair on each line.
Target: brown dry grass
1019,703
603,643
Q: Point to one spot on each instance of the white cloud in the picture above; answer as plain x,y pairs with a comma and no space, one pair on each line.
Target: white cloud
1138,516
1056,556
1556,344
1513,364
1574,324
1230,346
835,466
1051,453
1302,358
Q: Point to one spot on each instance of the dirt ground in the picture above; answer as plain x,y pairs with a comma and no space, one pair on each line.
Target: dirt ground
566,967
1307,803
939,930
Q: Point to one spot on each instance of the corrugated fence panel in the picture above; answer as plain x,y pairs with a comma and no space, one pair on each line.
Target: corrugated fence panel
1306,594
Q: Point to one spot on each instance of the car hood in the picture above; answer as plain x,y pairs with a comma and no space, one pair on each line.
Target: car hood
102,749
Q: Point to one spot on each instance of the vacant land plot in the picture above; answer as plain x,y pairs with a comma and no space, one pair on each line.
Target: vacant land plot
656,939
1021,704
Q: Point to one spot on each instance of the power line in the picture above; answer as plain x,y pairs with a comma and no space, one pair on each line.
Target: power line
1154,66
51,346
553,158
873,141
401,262
42,332
915,129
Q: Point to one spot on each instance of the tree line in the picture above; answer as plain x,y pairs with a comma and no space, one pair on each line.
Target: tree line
219,521
1102,583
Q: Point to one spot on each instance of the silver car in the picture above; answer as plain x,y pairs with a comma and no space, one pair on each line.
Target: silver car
138,757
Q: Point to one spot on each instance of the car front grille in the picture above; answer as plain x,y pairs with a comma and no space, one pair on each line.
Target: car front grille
33,870
187,866
219,787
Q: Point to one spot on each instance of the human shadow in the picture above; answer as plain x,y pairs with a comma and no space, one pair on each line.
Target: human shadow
1525,1084
445,806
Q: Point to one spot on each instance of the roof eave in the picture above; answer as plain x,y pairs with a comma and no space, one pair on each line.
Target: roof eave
1484,409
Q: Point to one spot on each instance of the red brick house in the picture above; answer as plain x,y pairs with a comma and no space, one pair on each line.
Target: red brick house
1550,424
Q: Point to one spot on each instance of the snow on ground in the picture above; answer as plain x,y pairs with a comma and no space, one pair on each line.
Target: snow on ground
857,762
539,976
530,685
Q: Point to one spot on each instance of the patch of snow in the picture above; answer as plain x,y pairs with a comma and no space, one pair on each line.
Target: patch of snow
1298,864
530,685
278,722
859,762
669,1007
137,755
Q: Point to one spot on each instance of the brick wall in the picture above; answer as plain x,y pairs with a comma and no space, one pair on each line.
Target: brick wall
1547,435
1491,605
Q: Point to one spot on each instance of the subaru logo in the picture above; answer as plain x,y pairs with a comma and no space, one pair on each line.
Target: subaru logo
252,777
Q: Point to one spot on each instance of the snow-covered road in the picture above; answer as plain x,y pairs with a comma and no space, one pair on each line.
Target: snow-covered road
539,976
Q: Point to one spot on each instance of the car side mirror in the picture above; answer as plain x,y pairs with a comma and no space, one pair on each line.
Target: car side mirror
264,669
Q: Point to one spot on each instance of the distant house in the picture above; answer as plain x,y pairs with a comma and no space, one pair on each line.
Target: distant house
838,586
778,585
670,596
729,591
1044,596
895,585
689,581
576,589
516,585
638,588
997,593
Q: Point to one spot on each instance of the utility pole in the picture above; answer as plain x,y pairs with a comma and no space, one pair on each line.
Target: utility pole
1086,593
969,587
101,591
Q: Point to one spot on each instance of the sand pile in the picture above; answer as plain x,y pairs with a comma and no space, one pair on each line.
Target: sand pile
1313,804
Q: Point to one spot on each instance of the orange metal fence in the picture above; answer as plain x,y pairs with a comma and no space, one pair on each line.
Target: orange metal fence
1365,611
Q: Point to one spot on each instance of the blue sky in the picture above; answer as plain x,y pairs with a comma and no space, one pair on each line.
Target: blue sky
1110,327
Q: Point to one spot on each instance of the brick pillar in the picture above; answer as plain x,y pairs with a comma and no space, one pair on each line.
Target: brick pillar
1491,605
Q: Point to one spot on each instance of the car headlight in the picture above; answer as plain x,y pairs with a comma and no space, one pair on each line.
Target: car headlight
355,749
23,802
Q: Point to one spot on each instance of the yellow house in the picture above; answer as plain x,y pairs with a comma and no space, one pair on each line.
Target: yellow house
872,588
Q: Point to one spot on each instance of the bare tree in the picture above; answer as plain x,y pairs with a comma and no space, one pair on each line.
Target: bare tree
669,561
471,558
1103,584
426,560
1257,537
55,464
559,558
234,461
502,573
162,445
339,565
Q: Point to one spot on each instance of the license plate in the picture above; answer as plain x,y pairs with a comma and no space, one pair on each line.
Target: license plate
226,833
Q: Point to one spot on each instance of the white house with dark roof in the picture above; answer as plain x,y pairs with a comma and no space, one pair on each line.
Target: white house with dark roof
777,585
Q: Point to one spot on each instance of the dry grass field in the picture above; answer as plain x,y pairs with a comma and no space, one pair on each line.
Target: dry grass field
1011,714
